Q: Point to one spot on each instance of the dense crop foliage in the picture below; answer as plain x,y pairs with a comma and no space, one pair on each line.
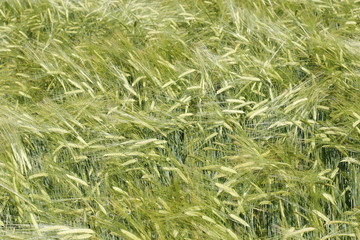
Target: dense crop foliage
179,119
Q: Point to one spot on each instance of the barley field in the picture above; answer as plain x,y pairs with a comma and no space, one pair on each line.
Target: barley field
179,119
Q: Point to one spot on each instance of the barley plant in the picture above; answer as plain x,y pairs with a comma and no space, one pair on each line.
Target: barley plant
179,119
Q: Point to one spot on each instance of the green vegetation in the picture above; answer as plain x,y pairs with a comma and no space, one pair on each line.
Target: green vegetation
179,119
